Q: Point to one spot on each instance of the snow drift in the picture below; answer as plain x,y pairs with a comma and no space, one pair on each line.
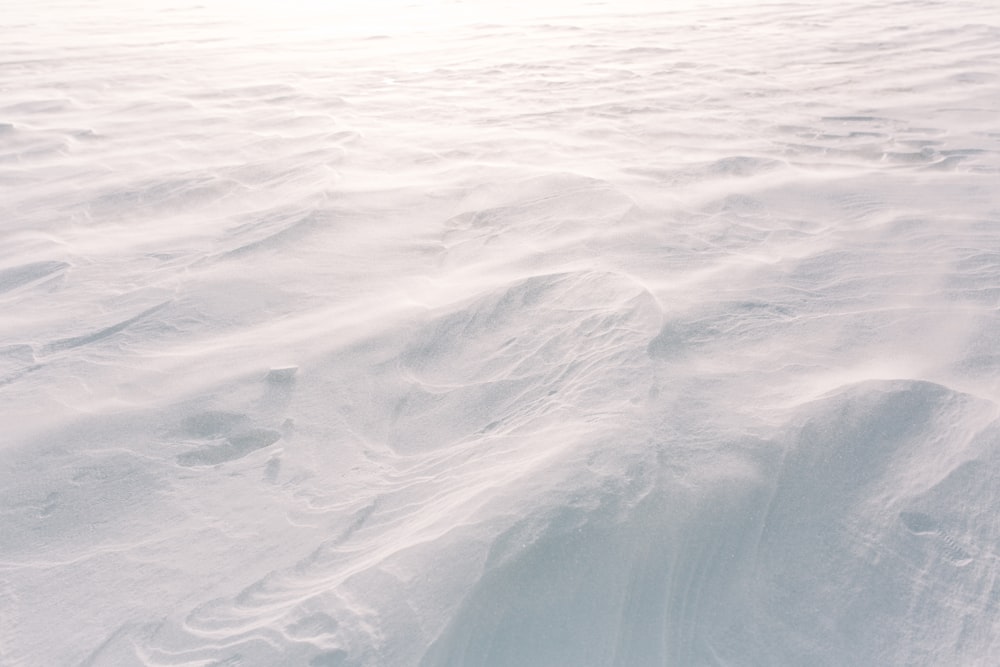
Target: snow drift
561,335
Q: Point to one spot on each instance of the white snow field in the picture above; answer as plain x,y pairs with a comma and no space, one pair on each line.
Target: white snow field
477,334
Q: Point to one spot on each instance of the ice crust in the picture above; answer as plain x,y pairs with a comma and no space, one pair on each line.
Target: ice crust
452,334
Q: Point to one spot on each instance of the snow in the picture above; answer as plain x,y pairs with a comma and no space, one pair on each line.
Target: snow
510,334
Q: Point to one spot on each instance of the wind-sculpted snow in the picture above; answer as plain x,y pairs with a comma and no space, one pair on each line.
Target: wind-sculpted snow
455,334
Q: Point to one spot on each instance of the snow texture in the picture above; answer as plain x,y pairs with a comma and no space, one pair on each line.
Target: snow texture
481,334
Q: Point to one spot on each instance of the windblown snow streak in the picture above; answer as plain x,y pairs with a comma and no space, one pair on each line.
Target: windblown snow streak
456,335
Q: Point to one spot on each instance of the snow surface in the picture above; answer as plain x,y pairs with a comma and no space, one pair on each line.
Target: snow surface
469,334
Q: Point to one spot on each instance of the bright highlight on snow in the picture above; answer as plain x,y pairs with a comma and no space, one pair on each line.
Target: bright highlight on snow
466,335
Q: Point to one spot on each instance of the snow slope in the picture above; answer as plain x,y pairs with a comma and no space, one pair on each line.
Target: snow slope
537,335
